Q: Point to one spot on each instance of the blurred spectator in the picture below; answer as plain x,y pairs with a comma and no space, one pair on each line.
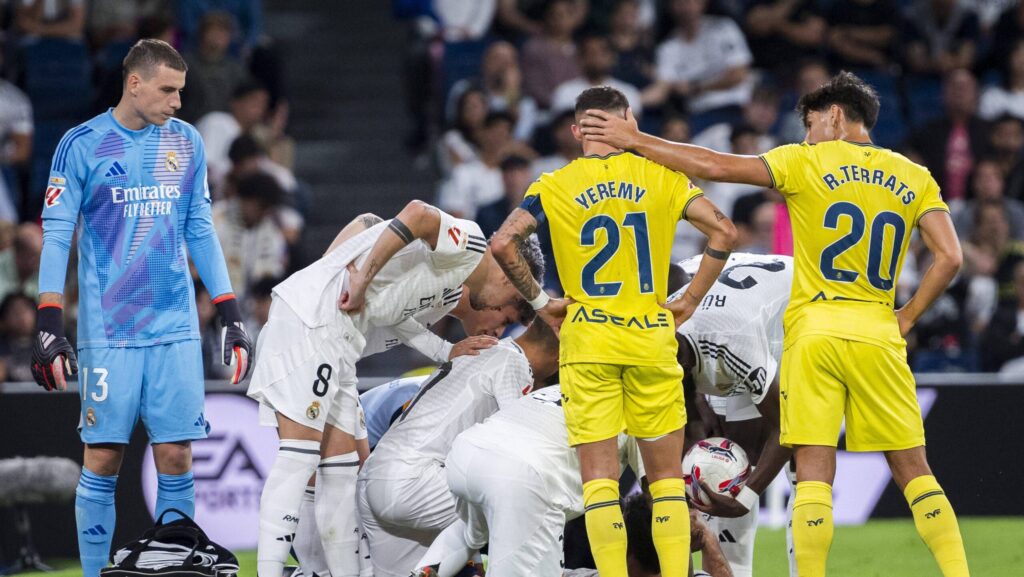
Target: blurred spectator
596,60
706,62
1007,144
948,145
676,128
549,58
111,79
941,36
1007,97
253,242
1002,344
37,19
743,139
247,14
514,20
258,305
16,130
811,74
219,129
634,62
478,183
19,264
1008,31
991,252
248,157
459,143
501,81
862,33
116,20
18,319
759,116
567,148
782,32
987,187
516,177
461,21
213,73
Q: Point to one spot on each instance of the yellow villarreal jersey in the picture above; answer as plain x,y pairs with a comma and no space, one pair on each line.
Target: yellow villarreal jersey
853,208
613,220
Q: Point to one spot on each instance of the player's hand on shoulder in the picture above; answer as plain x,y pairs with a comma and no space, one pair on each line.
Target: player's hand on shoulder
721,505
471,346
53,357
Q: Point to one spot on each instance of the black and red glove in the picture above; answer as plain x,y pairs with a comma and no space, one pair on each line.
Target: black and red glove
53,358
235,343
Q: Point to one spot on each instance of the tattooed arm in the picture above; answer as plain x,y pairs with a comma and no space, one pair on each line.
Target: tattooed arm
418,220
358,225
505,247
721,233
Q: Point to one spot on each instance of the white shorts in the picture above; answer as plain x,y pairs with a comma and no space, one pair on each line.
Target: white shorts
505,503
308,374
402,517
735,408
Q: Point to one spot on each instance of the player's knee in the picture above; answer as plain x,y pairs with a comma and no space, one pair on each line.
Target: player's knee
907,465
173,458
104,460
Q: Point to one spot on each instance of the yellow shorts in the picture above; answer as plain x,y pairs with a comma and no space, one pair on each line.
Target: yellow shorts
826,378
600,401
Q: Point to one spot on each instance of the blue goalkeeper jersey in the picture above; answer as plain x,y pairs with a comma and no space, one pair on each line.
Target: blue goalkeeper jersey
138,198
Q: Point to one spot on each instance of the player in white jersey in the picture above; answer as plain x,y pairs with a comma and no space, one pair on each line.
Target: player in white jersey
388,278
403,493
517,481
730,350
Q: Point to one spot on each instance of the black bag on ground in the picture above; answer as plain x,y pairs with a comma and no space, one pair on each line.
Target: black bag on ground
176,549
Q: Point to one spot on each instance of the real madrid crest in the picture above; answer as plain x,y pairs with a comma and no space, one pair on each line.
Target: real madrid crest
172,161
90,417
313,411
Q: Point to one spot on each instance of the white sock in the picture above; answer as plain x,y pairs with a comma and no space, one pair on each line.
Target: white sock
336,514
308,549
449,551
279,505
736,537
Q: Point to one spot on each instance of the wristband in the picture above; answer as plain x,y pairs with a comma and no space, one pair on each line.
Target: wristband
227,308
540,301
50,318
748,498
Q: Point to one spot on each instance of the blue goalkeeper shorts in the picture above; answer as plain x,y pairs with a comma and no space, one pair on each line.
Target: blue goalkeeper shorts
162,384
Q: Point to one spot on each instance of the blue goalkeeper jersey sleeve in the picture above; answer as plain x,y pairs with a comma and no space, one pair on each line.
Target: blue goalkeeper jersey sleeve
135,196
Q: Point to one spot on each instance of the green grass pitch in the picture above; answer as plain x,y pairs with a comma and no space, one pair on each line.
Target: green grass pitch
890,548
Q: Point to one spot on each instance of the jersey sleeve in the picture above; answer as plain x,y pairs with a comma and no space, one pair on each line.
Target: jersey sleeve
533,201
783,164
414,334
511,381
460,242
931,201
203,244
61,206
684,192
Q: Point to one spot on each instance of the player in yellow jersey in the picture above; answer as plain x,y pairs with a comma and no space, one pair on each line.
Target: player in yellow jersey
613,217
853,207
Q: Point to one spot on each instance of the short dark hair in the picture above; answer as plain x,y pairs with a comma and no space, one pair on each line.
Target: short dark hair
601,98
742,129
495,116
264,287
262,187
514,161
541,333
8,303
245,147
149,53
857,98
677,278
246,88
636,512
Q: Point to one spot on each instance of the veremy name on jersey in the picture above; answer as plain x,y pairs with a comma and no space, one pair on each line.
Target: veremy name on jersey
853,173
600,317
145,200
611,189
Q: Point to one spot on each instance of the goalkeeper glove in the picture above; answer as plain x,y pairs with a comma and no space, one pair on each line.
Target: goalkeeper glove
53,358
235,343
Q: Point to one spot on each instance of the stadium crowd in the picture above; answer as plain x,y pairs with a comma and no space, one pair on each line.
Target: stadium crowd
491,85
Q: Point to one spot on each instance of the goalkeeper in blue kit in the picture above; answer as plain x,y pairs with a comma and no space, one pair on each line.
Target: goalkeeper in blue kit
133,181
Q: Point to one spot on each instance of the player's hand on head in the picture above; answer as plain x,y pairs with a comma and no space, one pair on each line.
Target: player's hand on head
720,505
235,343
610,128
472,346
53,357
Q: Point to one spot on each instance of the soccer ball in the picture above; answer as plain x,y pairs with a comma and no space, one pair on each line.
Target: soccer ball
720,463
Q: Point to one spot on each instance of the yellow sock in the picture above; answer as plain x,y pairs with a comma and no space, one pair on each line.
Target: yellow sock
605,526
670,527
936,524
812,527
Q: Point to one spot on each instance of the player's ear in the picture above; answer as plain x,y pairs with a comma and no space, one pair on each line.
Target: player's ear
576,132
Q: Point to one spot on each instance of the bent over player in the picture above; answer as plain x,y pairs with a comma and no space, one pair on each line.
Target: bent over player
320,321
613,216
853,207
135,178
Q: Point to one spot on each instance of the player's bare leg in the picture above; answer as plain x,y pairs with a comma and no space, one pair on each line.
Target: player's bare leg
297,457
670,516
812,508
175,485
933,515
337,517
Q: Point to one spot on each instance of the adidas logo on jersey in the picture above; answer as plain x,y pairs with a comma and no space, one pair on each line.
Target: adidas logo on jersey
115,170
95,531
